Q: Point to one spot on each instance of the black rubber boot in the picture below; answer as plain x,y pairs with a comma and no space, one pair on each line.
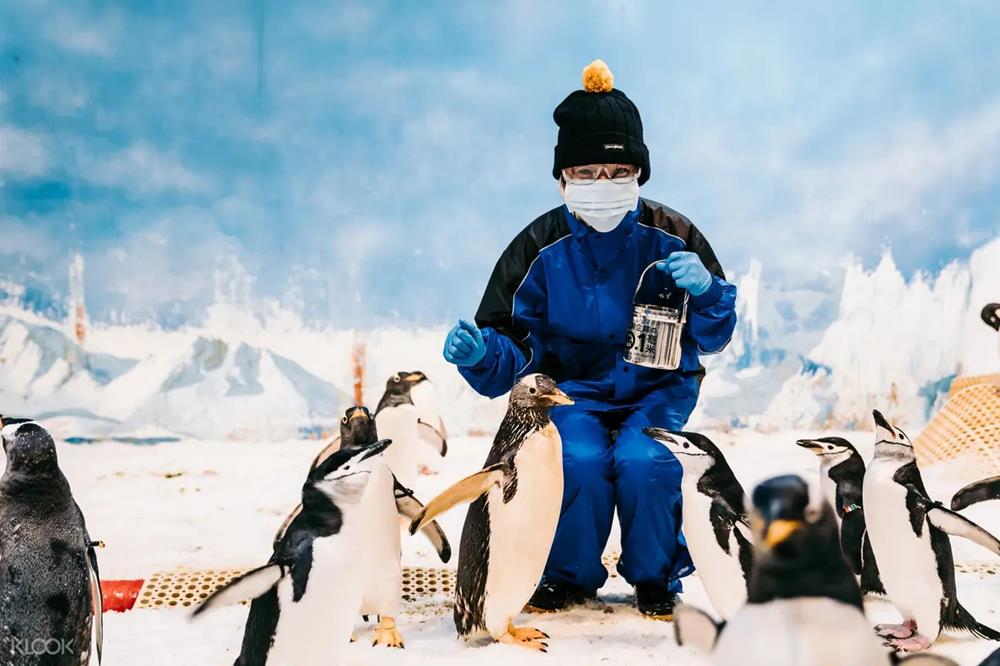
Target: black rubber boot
552,597
655,601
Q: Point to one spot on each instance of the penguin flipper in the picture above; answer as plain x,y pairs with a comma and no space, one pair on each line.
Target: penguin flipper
96,600
248,586
431,435
409,506
852,535
696,628
980,491
466,490
956,524
284,526
327,451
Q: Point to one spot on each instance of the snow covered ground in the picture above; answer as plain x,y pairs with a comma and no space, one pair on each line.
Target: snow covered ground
204,504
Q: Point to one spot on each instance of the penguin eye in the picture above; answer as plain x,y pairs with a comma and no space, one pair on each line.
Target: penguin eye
395,379
532,391
829,447
686,445
343,420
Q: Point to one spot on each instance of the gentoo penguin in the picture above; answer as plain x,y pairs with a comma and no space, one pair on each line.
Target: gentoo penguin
804,606
909,534
713,518
384,588
430,425
50,590
841,477
307,596
508,532
980,491
397,419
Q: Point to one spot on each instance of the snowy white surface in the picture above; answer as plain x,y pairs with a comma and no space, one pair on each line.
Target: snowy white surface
204,504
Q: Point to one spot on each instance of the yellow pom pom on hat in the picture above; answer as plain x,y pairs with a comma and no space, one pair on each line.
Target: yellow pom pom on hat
597,77
599,125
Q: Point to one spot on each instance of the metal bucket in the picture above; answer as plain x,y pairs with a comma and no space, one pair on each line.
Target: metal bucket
654,336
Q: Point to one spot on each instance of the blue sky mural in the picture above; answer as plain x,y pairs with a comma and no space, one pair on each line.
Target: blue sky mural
359,162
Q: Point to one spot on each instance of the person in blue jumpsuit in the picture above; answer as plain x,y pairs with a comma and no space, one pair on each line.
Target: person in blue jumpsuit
560,302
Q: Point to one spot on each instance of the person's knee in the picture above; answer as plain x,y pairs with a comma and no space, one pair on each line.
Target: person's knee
640,460
586,462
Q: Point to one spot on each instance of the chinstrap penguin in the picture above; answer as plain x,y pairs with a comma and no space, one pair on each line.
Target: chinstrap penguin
306,598
842,475
508,531
50,591
909,535
392,499
714,518
804,605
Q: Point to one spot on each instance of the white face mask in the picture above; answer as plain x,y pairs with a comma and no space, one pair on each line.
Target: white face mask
603,203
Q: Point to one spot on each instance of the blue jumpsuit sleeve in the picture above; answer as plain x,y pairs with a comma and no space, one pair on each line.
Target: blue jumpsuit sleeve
510,317
712,317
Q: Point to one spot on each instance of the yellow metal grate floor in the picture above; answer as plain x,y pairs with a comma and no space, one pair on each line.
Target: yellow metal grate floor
186,589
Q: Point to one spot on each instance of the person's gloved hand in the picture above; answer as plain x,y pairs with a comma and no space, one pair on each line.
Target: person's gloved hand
688,272
464,345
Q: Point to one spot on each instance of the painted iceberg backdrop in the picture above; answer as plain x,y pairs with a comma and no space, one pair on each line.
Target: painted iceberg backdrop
811,356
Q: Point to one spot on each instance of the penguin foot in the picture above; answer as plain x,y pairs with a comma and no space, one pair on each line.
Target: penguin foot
527,637
915,643
387,634
904,630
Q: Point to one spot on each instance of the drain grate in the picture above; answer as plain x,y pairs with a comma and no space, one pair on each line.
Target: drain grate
182,589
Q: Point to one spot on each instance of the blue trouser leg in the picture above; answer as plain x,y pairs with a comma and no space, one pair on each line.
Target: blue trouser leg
648,495
588,501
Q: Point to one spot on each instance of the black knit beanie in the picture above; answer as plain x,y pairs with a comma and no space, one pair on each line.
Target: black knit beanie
599,125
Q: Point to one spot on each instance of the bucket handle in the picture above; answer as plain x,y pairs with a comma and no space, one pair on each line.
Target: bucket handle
642,278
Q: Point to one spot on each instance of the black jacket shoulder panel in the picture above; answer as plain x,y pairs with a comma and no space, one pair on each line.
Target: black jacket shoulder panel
663,217
497,306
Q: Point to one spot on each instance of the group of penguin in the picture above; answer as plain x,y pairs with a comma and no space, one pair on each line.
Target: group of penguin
787,574
785,569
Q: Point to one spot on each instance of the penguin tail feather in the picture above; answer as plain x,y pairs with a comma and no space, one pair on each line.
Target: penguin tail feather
963,620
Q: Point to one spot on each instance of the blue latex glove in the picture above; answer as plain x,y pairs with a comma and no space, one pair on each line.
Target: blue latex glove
464,345
688,272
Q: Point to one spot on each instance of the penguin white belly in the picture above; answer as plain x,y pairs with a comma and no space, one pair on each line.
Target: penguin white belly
907,563
521,531
720,572
399,424
317,628
808,631
383,584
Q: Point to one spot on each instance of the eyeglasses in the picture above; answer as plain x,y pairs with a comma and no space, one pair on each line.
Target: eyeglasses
591,173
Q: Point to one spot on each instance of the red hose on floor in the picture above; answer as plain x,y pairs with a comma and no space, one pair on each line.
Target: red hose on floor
120,595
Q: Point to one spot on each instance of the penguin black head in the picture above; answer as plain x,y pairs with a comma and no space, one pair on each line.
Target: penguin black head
537,392
357,428
991,315
830,450
797,545
694,451
343,476
402,382
890,441
29,447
